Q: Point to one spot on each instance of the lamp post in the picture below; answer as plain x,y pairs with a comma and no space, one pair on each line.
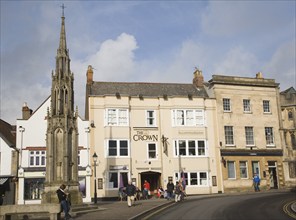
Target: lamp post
95,158
22,130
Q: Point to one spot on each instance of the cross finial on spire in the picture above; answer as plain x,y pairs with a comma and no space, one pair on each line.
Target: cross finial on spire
63,9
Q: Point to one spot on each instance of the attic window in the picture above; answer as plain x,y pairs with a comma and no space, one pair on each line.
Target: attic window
117,95
165,97
141,97
190,96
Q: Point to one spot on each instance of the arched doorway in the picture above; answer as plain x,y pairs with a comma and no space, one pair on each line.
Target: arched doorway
152,177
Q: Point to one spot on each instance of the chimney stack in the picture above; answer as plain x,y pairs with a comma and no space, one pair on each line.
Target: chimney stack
89,74
198,79
259,75
26,111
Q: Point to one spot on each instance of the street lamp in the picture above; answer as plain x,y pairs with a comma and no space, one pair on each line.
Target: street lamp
95,158
22,130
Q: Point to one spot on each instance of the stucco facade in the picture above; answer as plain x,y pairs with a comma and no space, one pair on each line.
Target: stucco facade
158,145
249,131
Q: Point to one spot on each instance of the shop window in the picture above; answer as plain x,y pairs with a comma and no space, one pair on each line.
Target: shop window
231,169
117,179
34,187
243,169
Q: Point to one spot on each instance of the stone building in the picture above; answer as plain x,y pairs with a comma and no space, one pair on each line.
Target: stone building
288,109
154,132
249,131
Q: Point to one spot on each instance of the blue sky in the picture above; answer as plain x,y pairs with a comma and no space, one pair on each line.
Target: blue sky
147,41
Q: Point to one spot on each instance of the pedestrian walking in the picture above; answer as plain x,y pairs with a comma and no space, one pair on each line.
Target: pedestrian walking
62,196
146,191
256,183
178,191
170,189
130,192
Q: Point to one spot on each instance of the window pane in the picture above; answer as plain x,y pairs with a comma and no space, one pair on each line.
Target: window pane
199,114
189,117
111,117
150,118
203,178
226,105
243,169
182,148
249,135
112,148
192,150
122,117
266,107
228,135
193,178
180,117
152,151
231,169
269,135
201,148
255,168
123,148
113,180
247,105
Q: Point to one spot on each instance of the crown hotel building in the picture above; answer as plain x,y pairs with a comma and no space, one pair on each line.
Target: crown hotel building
154,132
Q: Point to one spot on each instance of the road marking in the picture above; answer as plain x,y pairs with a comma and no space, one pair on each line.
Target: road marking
287,211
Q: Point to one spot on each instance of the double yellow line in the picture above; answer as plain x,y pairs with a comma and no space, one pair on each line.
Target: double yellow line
287,211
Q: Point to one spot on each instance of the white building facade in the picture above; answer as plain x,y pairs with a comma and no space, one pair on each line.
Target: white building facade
31,142
153,132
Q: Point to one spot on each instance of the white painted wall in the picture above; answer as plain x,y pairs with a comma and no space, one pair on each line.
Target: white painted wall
5,158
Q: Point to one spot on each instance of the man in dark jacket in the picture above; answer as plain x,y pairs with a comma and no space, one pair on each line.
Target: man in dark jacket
170,189
62,196
130,192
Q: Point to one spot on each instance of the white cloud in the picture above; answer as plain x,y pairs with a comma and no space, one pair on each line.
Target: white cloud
237,61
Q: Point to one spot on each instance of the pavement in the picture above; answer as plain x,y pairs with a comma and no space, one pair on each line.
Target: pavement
114,210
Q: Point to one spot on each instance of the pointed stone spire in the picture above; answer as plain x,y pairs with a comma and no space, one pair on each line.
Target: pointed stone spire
63,44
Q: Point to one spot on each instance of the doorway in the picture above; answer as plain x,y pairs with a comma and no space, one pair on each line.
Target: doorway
153,178
272,175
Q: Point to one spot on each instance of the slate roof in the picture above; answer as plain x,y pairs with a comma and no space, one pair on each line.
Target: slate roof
146,89
7,133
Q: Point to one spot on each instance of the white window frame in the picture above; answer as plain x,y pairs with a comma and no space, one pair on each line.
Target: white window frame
266,106
254,167
234,171
247,105
243,165
188,117
116,119
117,148
249,134
37,155
227,136
226,102
148,151
269,136
199,180
149,118
197,142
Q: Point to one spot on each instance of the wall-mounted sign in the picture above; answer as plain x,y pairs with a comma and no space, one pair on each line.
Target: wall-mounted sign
141,136
100,183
